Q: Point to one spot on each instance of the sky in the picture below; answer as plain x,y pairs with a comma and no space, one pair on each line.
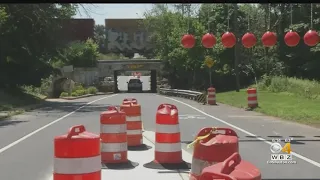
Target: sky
100,12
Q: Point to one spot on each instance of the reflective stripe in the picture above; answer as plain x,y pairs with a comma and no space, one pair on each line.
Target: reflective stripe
114,147
134,132
167,147
252,102
166,128
133,118
113,128
252,95
198,165
77,165
211,98
211,93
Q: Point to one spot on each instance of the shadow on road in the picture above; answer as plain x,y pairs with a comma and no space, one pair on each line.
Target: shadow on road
8,122
72,106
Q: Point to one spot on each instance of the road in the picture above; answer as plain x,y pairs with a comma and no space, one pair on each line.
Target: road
123,86
26,141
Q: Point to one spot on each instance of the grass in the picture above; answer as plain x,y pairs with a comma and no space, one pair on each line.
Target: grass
285,105
16,101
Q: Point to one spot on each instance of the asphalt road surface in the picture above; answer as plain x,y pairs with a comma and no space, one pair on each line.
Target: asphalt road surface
26,141
123,86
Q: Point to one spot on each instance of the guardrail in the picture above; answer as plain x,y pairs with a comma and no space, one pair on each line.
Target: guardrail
193,95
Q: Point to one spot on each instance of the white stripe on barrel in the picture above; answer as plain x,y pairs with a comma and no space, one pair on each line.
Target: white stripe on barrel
77,165
114,147
168,147
113,128
166,128
133,118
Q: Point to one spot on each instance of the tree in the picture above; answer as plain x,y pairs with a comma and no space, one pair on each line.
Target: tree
184,67
100,37
29,39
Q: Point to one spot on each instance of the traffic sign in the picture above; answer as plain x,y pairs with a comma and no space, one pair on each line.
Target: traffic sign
209,61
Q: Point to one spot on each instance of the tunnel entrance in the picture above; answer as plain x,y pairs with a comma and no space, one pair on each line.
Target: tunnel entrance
147,77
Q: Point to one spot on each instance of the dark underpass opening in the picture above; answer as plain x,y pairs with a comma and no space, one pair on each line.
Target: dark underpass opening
122,81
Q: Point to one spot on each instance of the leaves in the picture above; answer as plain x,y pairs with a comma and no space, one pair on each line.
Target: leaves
169,23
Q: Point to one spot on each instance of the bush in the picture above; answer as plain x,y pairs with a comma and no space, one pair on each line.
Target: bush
92,90
81,92
64,94
305,88
78,86
74,94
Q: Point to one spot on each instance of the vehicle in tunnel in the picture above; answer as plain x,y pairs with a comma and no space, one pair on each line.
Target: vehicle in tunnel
135,85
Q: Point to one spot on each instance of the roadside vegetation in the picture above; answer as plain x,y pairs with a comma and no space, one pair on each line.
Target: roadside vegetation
288,98
287,77
79,90
27,67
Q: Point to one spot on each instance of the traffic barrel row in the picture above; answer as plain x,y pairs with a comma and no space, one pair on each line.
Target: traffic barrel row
212,148
252,97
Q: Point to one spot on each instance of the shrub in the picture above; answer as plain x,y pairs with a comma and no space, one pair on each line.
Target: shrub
92,90
301,87
81,92
64,94
78,86
74,94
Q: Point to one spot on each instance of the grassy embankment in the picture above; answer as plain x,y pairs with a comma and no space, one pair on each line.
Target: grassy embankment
18,100
288,98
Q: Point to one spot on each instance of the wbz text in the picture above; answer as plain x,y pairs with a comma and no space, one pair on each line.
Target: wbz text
281,159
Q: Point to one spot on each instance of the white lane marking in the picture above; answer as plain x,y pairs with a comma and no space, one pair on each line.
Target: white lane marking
244,131
276,133
190,116
47,125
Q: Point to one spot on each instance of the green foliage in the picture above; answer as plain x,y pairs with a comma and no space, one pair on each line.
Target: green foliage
186,65
64,94
29,39
79,90
304,88
78,86
79,54
92,90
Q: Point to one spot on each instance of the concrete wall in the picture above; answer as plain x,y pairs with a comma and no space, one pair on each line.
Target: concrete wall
86,76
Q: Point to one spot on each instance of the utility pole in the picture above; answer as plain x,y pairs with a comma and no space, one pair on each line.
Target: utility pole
236,48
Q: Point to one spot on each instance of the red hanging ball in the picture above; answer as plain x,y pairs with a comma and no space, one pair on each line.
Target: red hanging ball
292,38
228,40
188,41
208,40
248,40
269,39
311,38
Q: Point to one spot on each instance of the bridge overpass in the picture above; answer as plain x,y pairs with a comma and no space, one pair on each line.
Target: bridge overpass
106,68
26,148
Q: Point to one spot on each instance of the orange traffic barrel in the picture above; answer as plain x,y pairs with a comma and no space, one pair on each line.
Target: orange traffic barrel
77,155
134,123
168,151
211,97
130,100
113,136
212,145
233,168
252,98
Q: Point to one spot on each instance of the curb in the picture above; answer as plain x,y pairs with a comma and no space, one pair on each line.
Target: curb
84,96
